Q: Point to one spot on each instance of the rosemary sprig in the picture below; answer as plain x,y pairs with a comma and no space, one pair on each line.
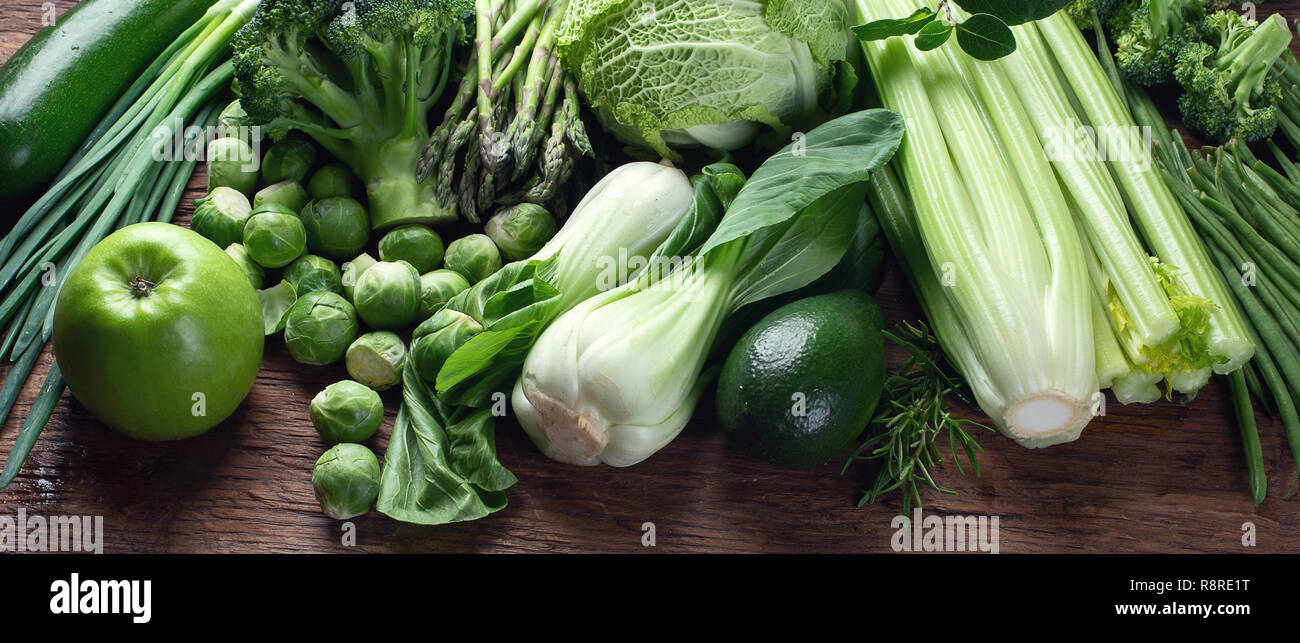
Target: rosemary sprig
910,419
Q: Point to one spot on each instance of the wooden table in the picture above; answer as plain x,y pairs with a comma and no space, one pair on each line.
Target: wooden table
1155,478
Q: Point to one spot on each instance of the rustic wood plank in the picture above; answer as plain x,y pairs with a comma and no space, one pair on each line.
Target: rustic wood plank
1153,478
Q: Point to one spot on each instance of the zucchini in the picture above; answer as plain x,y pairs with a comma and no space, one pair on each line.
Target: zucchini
58,86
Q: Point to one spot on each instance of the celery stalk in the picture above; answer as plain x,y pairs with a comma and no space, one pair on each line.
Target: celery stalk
1016,301
1145,316
1163,223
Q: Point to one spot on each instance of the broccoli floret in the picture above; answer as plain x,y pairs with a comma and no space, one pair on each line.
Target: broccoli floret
1080,11
1121,17
1147,50
359,77
1230,91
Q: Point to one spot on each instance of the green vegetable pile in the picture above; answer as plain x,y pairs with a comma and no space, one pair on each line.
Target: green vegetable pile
408,193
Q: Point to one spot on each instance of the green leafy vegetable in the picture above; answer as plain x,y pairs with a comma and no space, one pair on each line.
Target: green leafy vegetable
276,302
629,214
890,27
984,35
933,35
441,464
674,73
1014,12
617,377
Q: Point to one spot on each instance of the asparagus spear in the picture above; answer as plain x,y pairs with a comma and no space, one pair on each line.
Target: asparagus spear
526,130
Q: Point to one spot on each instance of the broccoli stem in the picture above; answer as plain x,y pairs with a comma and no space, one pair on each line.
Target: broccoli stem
1249,64
396,196
1160,18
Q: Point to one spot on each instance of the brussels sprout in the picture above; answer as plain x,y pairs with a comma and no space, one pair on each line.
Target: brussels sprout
231,119
278,208
274,239
333,180
352,271
232,164
436,339
376,360
220,216
288,160
475,257
255,272
337,227
388,295
437,288
276,302
346,412
415,244
319,328
286,193
520,231
346,481
311,272
233,122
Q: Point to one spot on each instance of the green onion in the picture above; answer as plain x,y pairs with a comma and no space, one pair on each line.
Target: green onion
113,181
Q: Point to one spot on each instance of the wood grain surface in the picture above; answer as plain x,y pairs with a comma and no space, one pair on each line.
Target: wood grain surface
1154,478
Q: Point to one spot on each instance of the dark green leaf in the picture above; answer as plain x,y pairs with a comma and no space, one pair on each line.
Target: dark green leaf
478,300
933,35
1014,12
882,29
473,449
839,153
794,253
487,364
428,476
862,267
986,37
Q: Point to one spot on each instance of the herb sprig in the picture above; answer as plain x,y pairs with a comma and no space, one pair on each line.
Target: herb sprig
910,419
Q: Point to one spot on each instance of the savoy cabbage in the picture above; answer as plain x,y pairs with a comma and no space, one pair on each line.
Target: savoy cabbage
673,73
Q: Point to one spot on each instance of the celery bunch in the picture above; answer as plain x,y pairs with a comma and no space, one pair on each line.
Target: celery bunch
1049,255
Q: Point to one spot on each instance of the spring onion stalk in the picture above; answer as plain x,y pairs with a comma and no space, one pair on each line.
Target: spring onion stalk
1221,342
996,236
616,379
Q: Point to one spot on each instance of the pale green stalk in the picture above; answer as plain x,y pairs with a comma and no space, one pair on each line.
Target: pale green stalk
1163,222
982,241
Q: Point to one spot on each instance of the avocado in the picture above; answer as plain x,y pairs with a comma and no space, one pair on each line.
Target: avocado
803,383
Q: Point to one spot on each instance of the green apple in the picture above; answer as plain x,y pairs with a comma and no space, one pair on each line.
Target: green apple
158,332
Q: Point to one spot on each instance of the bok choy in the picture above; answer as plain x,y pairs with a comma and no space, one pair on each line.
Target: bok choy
616,379
475,346
441,463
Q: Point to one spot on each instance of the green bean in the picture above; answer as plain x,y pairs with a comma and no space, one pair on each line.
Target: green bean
1285,163
1260,247
1249,437
1254,384
1285,188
